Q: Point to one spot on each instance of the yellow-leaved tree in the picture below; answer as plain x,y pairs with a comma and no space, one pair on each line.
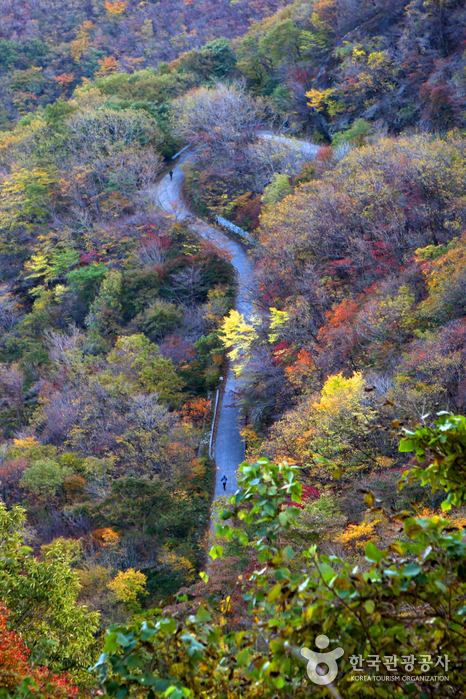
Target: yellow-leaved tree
127,586
238,336
26,197
329,430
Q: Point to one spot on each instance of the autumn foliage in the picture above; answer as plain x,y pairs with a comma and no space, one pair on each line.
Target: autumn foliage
332,132
16,671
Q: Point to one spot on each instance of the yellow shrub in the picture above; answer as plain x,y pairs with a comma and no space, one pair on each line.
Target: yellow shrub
356,536
180,564
128,585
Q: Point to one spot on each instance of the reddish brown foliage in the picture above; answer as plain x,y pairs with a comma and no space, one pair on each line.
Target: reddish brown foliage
10,476
15,668
196,410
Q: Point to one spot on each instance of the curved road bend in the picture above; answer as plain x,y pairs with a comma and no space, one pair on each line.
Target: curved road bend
229,445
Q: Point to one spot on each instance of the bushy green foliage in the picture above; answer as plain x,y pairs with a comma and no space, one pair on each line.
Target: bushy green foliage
277,190
440,453
157,320
41,595
393,605
224,58
356,134
45,477
139,288
85,281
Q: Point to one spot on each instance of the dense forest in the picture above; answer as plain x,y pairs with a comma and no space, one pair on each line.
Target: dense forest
48,47
332,135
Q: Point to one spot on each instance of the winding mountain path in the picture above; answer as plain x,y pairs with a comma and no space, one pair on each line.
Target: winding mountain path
229,445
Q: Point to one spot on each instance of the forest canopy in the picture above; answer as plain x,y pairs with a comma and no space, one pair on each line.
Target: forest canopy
164,169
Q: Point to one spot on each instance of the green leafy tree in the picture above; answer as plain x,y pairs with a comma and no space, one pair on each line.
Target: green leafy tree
45,477
105,311
8,53
282,42
408,599
35,50
139,289
85,281
224,58
51,266
136,366
358,134
56,113
41,595
26,197
277,190
159,319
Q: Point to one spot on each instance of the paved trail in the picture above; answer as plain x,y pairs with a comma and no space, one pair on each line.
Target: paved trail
307,149
229,445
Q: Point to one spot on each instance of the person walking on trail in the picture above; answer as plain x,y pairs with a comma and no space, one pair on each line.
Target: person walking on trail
171,174
224,481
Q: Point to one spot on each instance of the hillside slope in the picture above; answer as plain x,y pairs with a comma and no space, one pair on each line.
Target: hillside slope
48,46
397,63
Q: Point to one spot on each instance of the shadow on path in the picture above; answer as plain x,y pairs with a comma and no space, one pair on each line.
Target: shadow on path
229,445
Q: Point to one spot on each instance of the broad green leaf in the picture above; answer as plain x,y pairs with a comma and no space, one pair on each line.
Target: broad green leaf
283,518
168,625
203,615
373,554
411,570
289,553
216,552
326,571
161,685
243,657
406,445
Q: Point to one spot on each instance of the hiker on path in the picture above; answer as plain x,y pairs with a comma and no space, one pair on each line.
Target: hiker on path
224,481
171,174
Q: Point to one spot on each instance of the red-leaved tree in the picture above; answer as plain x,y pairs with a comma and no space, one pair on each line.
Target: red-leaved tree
16,671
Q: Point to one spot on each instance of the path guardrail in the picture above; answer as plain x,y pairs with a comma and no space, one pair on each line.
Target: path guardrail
233,228
181,151
211,442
